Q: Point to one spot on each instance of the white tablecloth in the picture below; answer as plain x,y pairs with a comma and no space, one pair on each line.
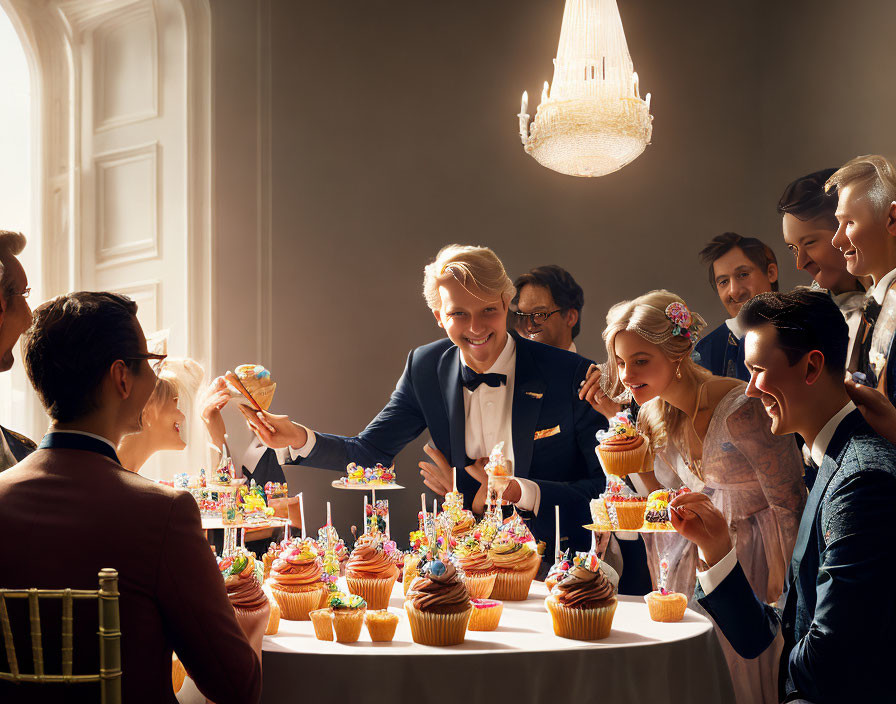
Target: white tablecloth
522,661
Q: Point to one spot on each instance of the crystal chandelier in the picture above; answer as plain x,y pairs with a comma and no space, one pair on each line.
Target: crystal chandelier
592,121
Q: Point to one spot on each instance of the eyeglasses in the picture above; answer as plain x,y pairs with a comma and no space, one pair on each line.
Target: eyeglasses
151,356
533,318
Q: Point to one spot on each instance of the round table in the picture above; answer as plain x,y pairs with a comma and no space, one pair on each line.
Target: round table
522,661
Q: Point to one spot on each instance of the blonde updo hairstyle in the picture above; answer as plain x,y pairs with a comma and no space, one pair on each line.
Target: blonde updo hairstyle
474,267
646,315
177,377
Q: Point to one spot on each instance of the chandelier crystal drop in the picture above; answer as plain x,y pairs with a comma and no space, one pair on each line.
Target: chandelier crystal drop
592,120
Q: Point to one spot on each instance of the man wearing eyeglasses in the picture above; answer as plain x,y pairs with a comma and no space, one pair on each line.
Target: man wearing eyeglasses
547,306
15,317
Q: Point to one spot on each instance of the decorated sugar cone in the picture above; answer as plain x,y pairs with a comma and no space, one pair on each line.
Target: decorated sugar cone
264,397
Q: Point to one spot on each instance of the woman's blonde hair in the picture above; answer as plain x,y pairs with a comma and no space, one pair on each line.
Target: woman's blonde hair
177,376
474,267
646,316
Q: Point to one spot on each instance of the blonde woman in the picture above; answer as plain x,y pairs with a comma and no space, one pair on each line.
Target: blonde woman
162,419
712,438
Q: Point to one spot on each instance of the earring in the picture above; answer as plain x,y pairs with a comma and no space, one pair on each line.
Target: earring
678,370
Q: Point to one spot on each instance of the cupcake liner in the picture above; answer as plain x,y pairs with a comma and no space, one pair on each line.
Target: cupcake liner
273,619
437,629
514,586
297,602
480,585
254,623
581,624
485,619
376,592
381,630
665,609
629,514
347,624
622,462
322,620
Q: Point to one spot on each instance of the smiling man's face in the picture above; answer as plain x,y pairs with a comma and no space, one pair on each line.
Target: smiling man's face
475,321
780,386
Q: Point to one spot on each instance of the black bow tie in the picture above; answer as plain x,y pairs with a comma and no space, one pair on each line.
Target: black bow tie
472,380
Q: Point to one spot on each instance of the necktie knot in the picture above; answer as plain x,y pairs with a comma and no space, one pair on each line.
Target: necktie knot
471,379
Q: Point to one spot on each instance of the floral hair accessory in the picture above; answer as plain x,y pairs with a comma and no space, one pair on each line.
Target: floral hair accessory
681,318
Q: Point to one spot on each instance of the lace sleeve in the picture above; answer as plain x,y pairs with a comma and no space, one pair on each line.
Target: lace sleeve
777,464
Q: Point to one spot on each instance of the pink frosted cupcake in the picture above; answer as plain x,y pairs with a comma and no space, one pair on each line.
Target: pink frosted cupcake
296,581
370,572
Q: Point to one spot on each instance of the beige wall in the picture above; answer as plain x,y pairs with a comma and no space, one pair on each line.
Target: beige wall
393,132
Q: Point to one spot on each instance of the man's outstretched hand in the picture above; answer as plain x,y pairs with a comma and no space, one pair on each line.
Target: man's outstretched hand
274,431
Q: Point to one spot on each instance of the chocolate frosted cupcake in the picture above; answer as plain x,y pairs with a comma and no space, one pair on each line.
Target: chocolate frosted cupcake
250,603
438,605
371,572
583,604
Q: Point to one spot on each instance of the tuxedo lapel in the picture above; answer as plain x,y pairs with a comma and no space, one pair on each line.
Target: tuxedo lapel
452,395
528,390
829,466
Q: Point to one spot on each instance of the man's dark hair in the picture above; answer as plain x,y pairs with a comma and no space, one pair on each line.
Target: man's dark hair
805,320
567,294
72,342
755,250
806,199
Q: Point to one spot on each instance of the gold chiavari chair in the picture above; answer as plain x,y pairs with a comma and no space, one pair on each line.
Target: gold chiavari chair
109,675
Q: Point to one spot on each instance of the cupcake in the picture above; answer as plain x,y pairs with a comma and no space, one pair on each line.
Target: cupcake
582,605
627,507
348,616
656,514
517,564
667,607
381,625
370,572
558,571
486,614
242,581
438,606
322,620
622,448
296,581
479,572
257,381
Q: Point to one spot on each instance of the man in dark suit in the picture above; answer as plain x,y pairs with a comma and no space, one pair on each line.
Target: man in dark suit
15,317
480,386
82,511
838,615
739,268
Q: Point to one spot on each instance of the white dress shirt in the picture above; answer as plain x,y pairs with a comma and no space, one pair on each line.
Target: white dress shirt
713,577
488,419
735,328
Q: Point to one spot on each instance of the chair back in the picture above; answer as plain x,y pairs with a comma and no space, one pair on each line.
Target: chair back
106,596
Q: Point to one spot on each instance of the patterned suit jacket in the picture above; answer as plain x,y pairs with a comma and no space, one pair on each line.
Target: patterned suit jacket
839,614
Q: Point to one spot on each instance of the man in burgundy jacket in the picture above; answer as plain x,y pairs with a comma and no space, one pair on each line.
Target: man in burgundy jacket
70,509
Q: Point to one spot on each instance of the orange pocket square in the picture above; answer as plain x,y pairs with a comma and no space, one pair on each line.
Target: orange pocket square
547,432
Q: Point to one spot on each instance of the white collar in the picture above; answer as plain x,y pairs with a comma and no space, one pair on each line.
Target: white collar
572,347
880,288
505,361
735,328
823,439
90,435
